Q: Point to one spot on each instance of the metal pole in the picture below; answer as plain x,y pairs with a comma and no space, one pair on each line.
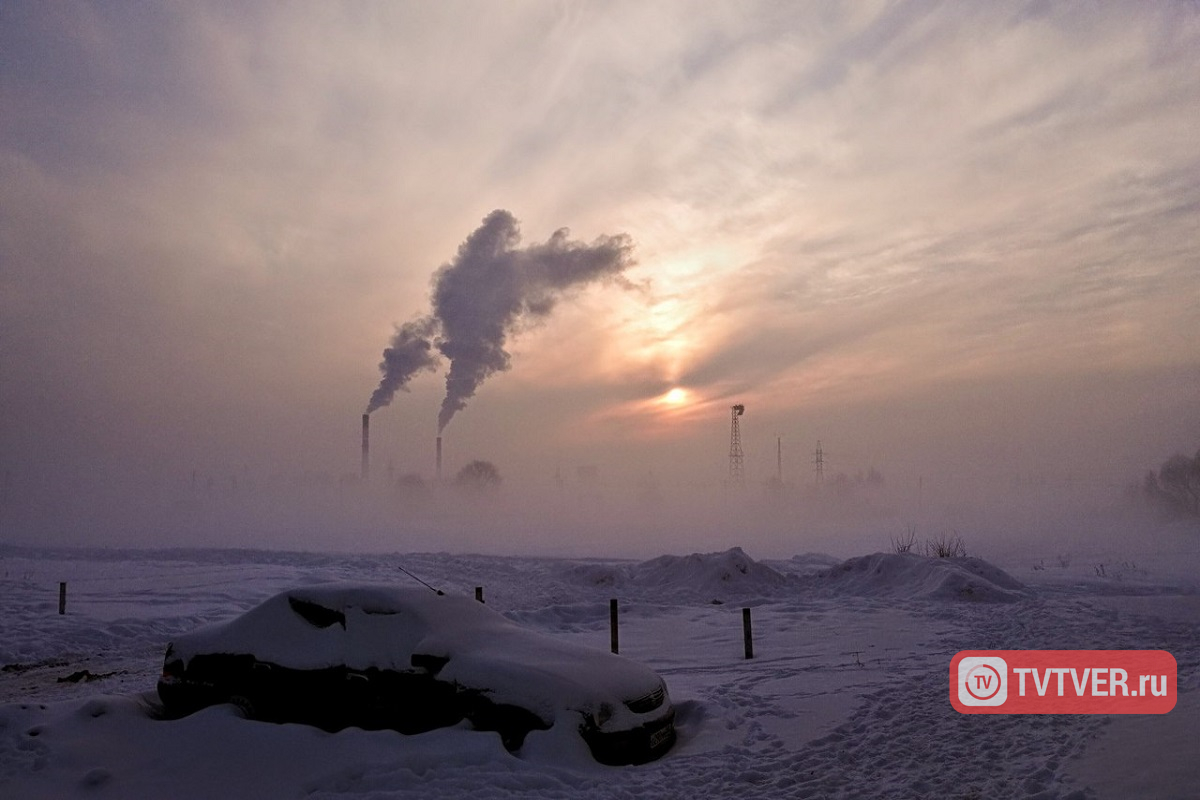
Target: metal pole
747,635
612,623
366,447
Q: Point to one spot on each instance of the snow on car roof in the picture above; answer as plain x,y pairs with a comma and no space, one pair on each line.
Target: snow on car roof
361,626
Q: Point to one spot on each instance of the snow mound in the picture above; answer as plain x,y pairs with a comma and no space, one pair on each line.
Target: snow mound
711,577
906,575
598,575
809,563
716,575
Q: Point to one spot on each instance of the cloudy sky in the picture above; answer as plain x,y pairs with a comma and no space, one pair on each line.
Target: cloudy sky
947,240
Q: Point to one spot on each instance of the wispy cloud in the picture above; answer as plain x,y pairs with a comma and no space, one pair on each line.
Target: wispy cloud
207,208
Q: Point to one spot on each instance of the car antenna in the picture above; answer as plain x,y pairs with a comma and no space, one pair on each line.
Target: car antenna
439,592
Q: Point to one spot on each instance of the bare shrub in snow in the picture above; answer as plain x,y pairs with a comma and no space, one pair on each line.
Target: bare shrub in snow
946,546
904,544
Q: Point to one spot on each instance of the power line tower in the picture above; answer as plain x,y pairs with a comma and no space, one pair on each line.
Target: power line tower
779,460
819,460
737,460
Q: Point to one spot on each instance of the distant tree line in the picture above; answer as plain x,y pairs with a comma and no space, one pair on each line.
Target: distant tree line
1176,486
478,476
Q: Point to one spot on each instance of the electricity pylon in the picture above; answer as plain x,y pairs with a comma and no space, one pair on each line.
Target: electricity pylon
737,460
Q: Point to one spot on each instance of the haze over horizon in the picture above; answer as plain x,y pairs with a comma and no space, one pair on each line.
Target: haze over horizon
955,243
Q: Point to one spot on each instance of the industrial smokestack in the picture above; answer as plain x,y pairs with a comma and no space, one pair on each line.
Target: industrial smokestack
438,471
366,447
491,290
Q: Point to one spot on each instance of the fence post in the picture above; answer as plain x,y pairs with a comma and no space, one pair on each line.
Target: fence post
612,622
746,633
479,593
62,597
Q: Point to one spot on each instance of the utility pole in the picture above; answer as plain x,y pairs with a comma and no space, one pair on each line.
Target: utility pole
779,459
737,460
820,462
366,448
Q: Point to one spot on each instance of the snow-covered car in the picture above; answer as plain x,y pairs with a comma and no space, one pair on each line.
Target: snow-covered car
372,656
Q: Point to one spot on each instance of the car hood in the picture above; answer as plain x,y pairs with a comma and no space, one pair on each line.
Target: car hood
541,673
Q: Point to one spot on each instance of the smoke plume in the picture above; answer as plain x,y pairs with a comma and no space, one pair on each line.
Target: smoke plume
410,352
491,287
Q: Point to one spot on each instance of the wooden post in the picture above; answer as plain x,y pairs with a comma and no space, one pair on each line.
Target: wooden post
479,593
62,597
746,633
612,622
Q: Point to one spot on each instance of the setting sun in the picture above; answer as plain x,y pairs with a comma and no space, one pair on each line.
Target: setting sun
676,397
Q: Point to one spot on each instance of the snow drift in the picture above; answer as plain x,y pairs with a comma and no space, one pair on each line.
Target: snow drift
808,564
707,576
906,575
718,574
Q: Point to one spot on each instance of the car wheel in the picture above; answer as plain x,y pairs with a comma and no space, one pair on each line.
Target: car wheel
513,723
243,705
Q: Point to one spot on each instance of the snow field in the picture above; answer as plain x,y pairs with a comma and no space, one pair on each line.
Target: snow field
847,695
